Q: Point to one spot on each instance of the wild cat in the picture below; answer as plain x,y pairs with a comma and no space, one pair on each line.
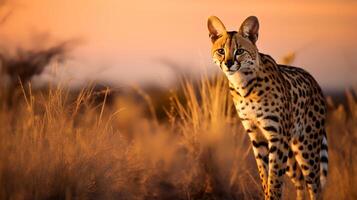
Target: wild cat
282,109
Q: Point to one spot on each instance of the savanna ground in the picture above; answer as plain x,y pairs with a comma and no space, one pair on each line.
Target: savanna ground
181,143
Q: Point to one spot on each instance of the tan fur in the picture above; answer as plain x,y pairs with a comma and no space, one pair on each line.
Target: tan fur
282,109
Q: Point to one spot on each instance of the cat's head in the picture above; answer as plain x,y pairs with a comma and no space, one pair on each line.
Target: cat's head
234,51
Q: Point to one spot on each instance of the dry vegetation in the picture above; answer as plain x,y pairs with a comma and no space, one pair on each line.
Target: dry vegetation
56,145
186,143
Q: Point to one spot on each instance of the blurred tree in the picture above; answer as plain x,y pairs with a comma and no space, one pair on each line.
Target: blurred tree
24,64
28,63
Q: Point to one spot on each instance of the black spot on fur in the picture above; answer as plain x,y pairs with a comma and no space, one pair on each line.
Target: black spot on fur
272,117
308,129
271,128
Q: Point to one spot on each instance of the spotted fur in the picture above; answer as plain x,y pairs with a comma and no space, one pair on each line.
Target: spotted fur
282,109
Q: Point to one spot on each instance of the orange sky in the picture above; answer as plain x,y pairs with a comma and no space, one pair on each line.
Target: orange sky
128,41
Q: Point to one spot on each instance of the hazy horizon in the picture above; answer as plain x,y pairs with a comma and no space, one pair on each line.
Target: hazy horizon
133,41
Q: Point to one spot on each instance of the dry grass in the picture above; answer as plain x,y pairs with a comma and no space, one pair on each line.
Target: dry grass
53,146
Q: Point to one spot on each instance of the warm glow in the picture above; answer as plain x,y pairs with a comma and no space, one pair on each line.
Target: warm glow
126,41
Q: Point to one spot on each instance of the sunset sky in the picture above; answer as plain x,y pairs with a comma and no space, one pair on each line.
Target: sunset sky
124,42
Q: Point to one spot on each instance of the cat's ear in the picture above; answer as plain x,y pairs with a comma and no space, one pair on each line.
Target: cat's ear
215,27
250,29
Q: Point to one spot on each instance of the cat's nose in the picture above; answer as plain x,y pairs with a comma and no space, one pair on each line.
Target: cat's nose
229,63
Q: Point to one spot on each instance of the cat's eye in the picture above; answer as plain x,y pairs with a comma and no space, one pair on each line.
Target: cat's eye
239,51
220,51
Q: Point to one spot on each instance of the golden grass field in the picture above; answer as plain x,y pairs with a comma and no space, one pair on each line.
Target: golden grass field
56,144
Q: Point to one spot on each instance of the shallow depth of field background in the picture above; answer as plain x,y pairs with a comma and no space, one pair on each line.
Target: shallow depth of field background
120,100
